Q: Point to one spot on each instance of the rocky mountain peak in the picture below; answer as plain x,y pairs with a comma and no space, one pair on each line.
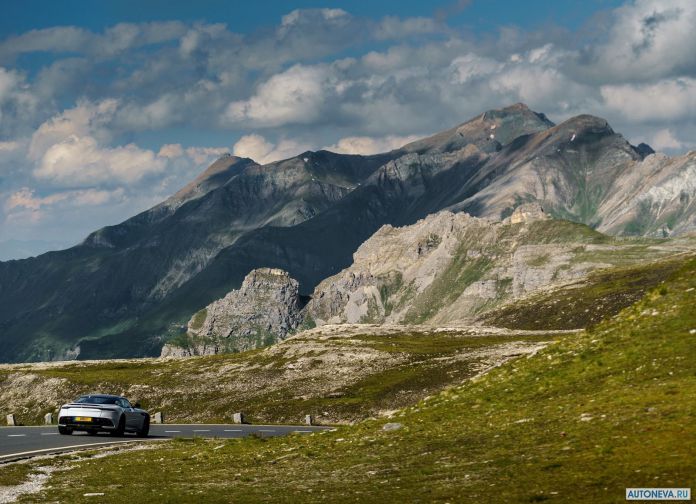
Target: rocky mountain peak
644,150
262,311
214,176
488,131
267,278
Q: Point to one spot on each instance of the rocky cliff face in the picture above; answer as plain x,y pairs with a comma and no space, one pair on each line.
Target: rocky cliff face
655,197
261,312
449,268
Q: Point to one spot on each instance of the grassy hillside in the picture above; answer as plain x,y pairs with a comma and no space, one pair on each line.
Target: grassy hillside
337,376
580,421
602,294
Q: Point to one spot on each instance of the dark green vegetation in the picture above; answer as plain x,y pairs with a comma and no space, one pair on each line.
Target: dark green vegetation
598,411
337,379
128,288
601,295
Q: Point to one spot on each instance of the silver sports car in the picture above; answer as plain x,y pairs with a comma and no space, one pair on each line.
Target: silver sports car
99,412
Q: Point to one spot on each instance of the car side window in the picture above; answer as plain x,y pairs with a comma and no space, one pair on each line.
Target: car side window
125,403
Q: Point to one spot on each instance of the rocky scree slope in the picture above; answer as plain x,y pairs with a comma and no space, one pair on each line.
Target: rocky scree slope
128,288
261,312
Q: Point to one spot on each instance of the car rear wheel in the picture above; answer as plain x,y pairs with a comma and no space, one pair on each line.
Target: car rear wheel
145,429
121,429
65,431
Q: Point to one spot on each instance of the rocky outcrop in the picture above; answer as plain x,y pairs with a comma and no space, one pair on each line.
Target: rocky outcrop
449,268
655,198
262,312
527,212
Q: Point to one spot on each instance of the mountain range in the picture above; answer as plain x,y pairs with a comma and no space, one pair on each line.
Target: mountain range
127,289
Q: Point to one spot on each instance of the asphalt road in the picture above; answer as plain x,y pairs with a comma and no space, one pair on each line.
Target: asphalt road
21,442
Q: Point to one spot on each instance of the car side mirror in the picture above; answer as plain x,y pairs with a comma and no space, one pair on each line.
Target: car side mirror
136,405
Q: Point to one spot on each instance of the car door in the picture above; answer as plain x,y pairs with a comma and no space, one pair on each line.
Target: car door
132,418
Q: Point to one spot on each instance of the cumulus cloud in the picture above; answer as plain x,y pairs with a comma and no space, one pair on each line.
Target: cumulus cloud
302,16
71,150
647,39
664,139
85,119
664,100
171,151
293,96
26,198
9,146
17,103
203,156
370,145
263,151
80,161
70,39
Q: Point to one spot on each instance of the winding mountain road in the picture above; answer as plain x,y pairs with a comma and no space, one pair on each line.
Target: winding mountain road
24,442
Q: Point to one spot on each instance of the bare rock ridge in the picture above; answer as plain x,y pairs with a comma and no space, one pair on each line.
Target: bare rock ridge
450,268
261,312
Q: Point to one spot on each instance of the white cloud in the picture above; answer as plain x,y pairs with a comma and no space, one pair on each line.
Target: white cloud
664,139
262,151
17,102
69,150
80,161
10,146
293,96
115,39
471,66
666,100
26,198
205,155
370,145
85,119
154,115
171,151
298,15
392,27
9,81
648,39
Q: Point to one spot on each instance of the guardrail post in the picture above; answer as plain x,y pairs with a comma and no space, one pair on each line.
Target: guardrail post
309,420
11,420
48,418
238,418
158,418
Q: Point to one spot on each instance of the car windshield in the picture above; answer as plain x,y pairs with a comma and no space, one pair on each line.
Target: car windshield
97,400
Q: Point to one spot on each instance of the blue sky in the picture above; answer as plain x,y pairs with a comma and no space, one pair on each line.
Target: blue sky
245,17
106,108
